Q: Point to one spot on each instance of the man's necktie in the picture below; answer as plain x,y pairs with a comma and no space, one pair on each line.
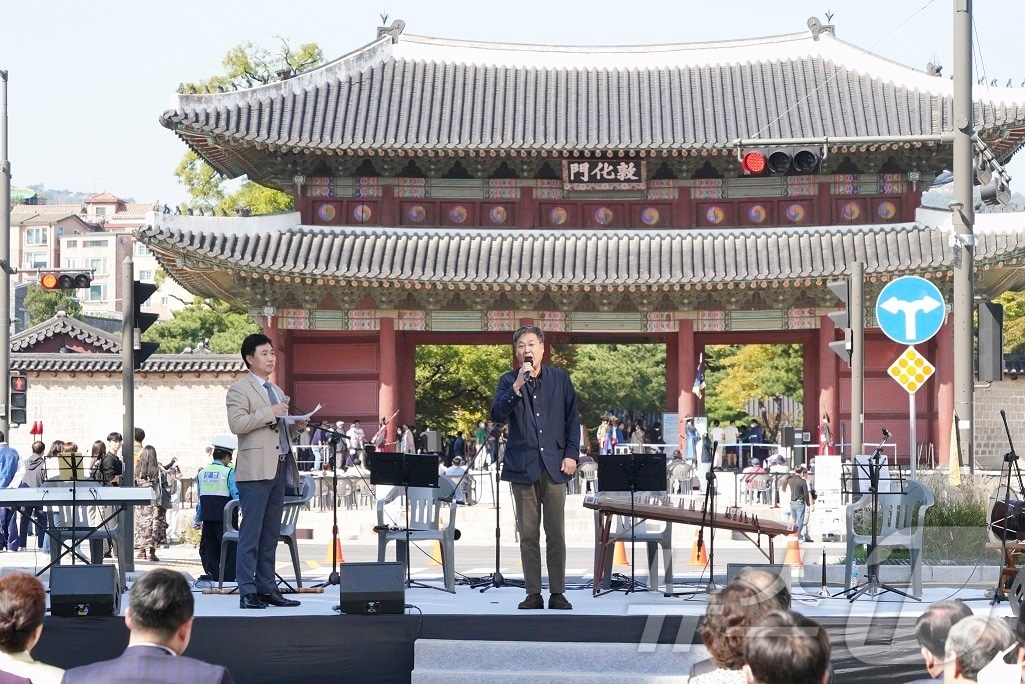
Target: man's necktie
283,447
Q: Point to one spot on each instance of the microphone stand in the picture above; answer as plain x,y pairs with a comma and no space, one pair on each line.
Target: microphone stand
335,437
496,579
1011,459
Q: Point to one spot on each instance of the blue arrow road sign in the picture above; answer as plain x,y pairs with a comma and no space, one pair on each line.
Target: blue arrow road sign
910,310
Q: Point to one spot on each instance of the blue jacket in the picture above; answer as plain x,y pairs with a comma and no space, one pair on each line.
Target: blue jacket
8,464
543,439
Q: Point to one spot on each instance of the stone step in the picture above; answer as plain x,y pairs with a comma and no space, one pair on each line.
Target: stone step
470,662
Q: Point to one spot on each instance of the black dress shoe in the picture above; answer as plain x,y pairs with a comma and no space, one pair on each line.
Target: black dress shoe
532,602
559,602
251,601
276,599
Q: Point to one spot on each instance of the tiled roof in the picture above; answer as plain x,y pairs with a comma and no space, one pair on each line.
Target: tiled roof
415,93
65,325
111,363
102,198
568,257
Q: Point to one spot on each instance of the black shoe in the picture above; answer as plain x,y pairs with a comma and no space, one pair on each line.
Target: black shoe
532,602
559,602
276,599
251,601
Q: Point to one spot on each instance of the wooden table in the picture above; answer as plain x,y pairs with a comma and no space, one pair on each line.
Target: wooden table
670,513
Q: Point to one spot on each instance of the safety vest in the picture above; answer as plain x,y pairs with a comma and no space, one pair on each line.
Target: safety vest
212,484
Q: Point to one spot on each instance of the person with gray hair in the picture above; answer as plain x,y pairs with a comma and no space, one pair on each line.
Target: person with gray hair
931,630
972,644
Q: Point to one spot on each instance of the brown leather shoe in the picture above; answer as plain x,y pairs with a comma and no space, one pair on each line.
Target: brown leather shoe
559,602
153,556
532,602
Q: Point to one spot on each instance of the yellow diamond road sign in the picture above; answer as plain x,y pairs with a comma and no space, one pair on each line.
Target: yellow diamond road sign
911,370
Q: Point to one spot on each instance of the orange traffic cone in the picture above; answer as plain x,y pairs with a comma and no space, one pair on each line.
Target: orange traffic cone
620,556
338,552
698,555
435,554
793,558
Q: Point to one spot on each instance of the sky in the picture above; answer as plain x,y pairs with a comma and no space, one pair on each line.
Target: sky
88,80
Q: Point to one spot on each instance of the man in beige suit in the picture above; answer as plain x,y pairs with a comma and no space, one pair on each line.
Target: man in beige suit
265,465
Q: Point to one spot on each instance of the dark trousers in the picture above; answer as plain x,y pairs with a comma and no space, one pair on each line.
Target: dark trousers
545,499
33,517
210,551
262,502
9,529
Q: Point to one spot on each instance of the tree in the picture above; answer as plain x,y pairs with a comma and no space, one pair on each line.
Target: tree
616,377
221,332
753,371
42,305
455,384
246,65
1014,321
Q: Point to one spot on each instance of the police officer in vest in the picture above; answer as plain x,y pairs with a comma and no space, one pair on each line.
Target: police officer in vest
216,486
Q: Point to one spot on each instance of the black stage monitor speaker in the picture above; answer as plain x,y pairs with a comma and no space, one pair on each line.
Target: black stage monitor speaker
433,441
781,571
84,590
372,588
991,342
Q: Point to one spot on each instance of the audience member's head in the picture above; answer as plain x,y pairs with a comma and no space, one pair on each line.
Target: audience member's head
160,610
772,589
786,648
38,448
730,614
932,629
140,435
971,645
22,608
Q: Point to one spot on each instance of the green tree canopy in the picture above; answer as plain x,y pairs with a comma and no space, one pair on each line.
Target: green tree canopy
246,65
736,374
1014,321
222,332
43,305
455,384
614,377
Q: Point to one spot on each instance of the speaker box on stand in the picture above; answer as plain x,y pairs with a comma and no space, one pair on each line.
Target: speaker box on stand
84,590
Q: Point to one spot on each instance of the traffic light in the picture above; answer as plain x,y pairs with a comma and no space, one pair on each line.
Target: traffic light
842,319
65,280
141,322
781,160
19,400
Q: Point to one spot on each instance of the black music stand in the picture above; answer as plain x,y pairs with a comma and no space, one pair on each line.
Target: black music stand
631,473
1009,527
872,585
406,470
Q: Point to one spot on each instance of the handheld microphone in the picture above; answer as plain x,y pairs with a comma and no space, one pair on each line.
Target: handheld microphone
529,376
886,433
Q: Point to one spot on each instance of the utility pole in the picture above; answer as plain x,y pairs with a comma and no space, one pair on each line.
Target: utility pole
857,311
5,258
963,239
128,398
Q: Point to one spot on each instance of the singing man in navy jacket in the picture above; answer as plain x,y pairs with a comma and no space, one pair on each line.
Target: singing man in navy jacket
540,406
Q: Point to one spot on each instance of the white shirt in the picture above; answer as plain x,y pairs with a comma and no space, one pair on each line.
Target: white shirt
22,665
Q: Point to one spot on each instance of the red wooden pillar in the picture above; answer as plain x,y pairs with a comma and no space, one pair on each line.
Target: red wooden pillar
812,364
387,393
687,365
829,380
672,372
945,391
405,354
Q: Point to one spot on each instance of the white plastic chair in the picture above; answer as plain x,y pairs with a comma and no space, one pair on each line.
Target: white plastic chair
425,508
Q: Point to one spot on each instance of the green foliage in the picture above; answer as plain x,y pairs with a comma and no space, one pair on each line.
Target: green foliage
1014,321
43,305
245,65
256,199
616,376
956,524
735,374
225,331
456,383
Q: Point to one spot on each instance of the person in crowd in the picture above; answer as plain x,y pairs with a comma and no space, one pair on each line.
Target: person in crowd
753,478
407,440
159,620
729,615
455,473
381,436
140,437
800,499
35,476
149,519
931,630
256,410
51,463
785,647
102,471
972,644
690,440
731,438
540,405
606,436
718,435
777,471
216,486
825,436
173,475
9,461
114,442
356,437
769,591
22,609
754,439
637,436
457,448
